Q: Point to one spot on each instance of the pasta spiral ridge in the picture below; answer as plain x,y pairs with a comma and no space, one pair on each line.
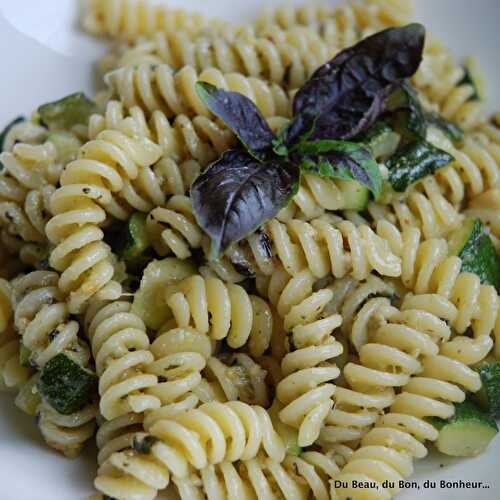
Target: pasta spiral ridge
211,434
342,25
200,138
120,346
157,87
320,247
80,205
172,228
261,478
43,321
124,472
221,310
216,432
130,19
180,356
287,58
387,450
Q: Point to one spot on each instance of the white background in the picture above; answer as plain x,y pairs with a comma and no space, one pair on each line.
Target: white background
43,57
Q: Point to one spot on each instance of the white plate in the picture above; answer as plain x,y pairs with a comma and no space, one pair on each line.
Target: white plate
44,57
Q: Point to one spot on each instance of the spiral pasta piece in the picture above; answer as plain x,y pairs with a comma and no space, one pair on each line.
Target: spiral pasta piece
387,450
26,183
320,247
208,435
12,374
287,58
440,79
221,310
216,432
43,321
130,19
158,87
173,228
132,464
120,346
427,268
88,186
200,138
305,389
486,207
180,356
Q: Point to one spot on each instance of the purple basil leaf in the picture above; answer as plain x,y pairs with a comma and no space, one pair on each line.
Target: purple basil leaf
346,95
341,160
237,193
241,115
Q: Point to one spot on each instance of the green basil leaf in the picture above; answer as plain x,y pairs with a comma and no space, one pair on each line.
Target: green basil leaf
237,193
414,161
341,160
241,115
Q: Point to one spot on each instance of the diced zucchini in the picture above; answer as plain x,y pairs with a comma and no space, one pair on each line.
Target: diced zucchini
453,131
288,434
149,302
488,396
132,242
74,109
24,356
414,161
5,131
66,385
473,245
67,145
356,196
468,433
28,397
381,140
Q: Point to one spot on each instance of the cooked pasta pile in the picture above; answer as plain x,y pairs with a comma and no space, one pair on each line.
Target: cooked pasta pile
236,294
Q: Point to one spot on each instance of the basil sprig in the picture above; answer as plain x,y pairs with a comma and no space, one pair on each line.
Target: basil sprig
250,184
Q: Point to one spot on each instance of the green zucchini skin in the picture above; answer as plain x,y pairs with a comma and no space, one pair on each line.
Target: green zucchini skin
488,397
473,245
414,161
66,385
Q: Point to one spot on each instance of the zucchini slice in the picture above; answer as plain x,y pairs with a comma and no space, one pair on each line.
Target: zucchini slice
488,397
473,245
149,302
468,433
132,243
414,161
66,385
63,114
